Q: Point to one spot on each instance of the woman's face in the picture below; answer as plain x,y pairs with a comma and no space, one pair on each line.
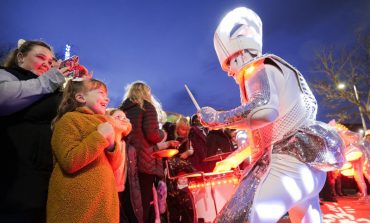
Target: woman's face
182,131
38,60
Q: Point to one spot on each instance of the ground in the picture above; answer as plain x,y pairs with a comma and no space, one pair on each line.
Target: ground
348,209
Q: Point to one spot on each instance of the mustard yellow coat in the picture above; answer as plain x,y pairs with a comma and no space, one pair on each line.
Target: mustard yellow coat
82,186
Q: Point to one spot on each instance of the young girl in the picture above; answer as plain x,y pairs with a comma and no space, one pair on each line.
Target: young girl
120,173
86,151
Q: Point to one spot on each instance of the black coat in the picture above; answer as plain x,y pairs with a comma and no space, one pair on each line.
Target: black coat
26,159
144,136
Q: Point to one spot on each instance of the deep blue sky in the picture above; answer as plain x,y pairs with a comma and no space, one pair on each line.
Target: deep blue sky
170,43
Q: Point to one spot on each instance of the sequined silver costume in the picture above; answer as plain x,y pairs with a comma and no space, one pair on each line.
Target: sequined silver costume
279,110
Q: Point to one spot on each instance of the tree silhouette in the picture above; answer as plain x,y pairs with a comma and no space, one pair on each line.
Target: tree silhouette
343,70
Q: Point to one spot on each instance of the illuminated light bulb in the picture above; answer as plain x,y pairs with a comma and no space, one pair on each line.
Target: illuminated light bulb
67,53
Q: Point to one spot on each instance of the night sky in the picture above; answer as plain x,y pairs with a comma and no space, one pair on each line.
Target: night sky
170,43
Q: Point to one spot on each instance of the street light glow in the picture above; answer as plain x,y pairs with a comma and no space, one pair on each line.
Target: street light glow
341,86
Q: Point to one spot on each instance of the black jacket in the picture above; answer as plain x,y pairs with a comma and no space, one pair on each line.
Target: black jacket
26,159
144,136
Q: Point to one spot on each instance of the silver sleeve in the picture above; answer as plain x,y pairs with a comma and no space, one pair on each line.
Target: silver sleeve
258,90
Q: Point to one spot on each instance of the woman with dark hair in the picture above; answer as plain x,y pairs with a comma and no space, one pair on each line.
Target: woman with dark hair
29,82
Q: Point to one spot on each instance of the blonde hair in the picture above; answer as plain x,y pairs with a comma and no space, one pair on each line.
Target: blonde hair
69,102
161,114
182,122
137,92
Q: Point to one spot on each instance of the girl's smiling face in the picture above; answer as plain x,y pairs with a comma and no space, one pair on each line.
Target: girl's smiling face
96,100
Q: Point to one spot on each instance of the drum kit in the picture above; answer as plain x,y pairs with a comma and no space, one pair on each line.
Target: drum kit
210,191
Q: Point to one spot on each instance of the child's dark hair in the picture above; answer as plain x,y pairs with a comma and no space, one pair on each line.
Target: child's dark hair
69,102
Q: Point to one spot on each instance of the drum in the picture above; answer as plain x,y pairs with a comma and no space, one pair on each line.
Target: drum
211,191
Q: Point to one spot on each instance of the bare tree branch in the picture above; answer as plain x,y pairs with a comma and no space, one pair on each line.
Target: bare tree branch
349,66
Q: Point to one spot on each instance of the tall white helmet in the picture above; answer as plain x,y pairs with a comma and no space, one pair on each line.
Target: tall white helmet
240,29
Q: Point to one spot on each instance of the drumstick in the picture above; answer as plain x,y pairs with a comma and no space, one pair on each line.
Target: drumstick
192,98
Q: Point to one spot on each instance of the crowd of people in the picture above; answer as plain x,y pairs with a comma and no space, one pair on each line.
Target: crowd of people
68,157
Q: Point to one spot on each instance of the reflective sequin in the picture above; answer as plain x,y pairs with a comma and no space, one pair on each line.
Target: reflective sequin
239,207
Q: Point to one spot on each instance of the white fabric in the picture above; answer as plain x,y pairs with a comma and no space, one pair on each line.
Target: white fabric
289,185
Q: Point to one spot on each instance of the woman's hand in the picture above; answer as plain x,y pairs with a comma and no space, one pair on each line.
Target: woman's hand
173,143
168,144
64,71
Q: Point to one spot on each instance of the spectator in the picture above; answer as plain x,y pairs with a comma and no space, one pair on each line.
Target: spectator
121,172
87,148
29,87
144,170
179,200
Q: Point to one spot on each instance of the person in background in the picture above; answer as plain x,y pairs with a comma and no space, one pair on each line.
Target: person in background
278,109
120,173
144,170
179,199
367,155
197,136
218,141
87,148
356,155
30,82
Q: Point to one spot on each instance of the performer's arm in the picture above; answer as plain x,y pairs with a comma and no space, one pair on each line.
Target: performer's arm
261,108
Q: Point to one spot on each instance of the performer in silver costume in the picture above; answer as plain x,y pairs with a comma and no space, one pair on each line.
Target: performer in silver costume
290,149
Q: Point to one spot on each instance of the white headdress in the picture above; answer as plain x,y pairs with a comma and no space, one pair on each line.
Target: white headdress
20,43
240,29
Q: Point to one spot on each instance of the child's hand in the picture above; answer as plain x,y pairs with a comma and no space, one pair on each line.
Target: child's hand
121,125
107,131
124,126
